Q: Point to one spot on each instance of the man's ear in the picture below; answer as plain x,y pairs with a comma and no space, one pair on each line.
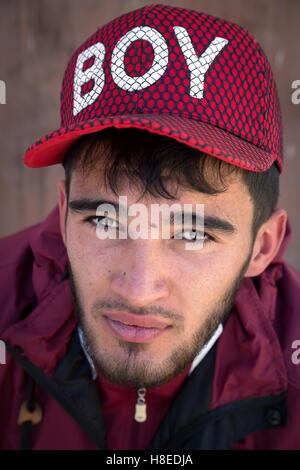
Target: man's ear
267,243
62,204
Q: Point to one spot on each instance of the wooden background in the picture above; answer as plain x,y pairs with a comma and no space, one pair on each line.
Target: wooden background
37,38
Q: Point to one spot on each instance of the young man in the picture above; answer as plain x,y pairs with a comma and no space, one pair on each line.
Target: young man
120,339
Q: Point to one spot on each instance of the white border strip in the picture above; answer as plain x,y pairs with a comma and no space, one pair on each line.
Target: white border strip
207,346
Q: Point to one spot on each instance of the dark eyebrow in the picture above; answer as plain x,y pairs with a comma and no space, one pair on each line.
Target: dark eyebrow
84,204
215,223
210,222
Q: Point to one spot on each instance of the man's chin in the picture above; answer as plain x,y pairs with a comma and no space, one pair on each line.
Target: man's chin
137,371
140,364
144,364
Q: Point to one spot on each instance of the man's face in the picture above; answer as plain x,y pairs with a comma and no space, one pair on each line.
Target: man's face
148,305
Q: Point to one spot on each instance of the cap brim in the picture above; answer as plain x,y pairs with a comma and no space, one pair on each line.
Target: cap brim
52,148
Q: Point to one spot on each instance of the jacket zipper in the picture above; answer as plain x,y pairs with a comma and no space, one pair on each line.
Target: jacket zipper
140,406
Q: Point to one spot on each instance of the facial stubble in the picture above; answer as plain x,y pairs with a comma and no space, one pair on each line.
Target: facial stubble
141,372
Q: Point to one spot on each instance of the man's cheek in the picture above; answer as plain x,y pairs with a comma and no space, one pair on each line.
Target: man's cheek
91,272
205,278
81,246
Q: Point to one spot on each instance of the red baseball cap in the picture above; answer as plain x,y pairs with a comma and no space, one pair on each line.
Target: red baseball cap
198,79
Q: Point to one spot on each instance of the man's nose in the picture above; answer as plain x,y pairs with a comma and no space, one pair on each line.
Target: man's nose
142,277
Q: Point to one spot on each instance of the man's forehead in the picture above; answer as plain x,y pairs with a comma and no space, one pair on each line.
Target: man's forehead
92,185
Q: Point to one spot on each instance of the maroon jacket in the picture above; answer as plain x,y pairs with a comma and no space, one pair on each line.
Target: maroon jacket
245,394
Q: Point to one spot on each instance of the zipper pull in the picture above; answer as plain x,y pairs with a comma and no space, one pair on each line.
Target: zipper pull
140,406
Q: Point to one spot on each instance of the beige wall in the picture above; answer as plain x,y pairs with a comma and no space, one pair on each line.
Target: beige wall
37,38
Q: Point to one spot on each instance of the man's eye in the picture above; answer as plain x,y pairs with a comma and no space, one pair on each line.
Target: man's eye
193,235
102,221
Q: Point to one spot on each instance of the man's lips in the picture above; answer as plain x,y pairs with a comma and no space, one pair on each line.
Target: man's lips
146,321
135,328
